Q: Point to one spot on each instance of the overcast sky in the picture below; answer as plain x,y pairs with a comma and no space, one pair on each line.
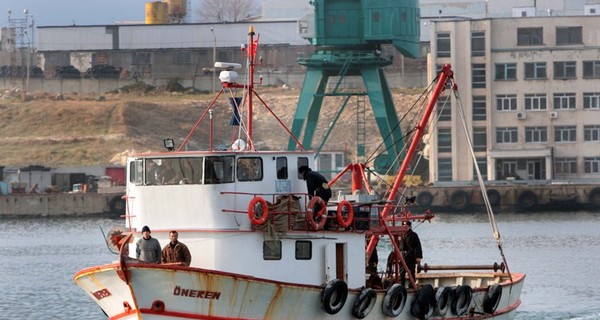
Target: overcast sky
81,12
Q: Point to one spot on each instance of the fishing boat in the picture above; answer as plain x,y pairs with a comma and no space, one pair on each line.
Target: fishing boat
262,248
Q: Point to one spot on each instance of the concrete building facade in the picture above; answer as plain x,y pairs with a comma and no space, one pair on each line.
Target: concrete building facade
530,91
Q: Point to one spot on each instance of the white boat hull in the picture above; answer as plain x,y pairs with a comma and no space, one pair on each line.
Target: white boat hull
174,292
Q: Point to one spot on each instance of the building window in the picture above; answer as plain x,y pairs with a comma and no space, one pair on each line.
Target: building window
182,57
479,139
478,75
591,133
444,169
591,69
565,166
536,134
482,165
536,101
477,43
444,140
506,102
506,134
569,35
443,45
564,101
565,134
506,71
591,164
591,100
535,70
444,110
479,108
565,70
140,58
530,36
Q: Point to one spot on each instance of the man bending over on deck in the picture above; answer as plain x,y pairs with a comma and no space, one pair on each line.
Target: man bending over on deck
315,183
176,251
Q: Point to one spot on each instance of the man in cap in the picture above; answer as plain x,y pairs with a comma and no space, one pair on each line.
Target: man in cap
316,184
147,248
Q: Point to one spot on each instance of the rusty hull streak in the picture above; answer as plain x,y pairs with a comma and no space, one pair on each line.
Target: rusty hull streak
274,300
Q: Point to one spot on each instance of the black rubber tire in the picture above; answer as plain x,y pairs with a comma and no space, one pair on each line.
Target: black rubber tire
462,300
425,199
394,300
424,302
333,296
527,200
459,200
494,197
364,303
492,298
117,205
443,300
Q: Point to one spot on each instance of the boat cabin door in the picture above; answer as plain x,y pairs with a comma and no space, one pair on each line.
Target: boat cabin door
336,261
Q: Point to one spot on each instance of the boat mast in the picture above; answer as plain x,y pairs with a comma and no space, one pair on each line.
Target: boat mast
250,92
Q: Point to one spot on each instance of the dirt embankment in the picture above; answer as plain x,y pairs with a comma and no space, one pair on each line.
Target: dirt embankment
104,129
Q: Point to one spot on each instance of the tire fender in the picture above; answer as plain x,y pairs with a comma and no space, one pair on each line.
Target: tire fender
492,298
364,303
424,304
443,300
394,300
333,296
462,300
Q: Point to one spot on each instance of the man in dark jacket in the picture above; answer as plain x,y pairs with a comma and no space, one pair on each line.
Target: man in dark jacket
410,246
315,183
176,251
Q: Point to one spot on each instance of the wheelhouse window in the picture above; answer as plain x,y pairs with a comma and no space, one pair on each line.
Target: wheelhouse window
302,161
272,249
591,69
218,169
506,71
565,70
173,171
136,172
535,70
565,134
537,101
443,45
569,35
303,250
506,134
564,101
249,169
479,108
530,36
282,168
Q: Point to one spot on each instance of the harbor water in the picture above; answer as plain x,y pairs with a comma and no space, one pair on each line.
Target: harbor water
559,252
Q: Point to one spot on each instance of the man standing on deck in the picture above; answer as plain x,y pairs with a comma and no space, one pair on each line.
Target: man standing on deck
410,246
176,251
147,248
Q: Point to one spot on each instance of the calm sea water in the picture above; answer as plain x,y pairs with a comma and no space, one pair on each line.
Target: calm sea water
560,252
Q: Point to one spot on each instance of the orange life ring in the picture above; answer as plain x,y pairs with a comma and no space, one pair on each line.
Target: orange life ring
265,211
321,213
345,223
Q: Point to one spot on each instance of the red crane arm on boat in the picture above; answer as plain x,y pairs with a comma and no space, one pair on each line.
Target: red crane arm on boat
445,74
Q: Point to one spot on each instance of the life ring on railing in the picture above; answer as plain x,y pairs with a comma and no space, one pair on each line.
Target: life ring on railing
492,298
462,300
527,200
394,300
494,197
443,300
459,200
425,199
310,215
594,198
424,304
364,303
345,223
257,221
334,296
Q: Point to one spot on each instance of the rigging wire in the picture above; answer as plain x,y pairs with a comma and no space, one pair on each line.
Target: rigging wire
486,200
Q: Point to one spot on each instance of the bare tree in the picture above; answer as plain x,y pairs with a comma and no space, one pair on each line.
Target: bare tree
227,10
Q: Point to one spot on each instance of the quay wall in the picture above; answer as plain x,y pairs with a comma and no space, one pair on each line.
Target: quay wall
61,204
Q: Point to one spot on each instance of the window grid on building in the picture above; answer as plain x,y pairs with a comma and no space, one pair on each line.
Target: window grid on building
479,139
444,110
443,45
536,134
506,71
565,134
530,36
591,100
535,70
565,166
444,169
477,44
536,101
564,101
506,102
482,165
591,133
591,69
507,135
444,140
591,164
479,108
565,70
478,75
569,35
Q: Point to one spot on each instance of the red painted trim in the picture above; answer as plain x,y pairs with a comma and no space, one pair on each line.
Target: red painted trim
185,315
123,315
